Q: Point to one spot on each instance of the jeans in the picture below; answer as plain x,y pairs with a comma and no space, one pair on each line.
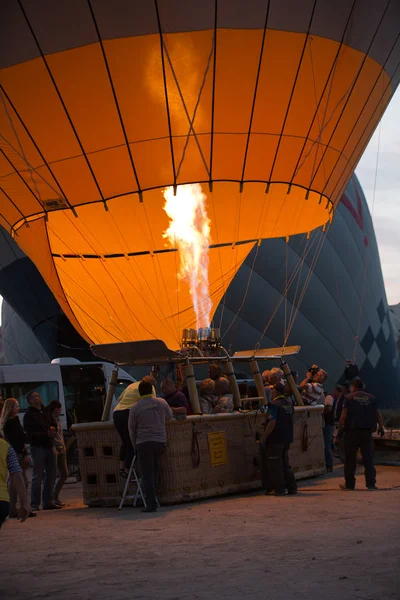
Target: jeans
353,440
149,454
328,441
13,492
127,452
62,473
44,463
277,473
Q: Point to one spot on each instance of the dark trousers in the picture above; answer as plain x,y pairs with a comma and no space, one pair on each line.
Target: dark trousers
277,473
4,510
127,452
44,464
353,440
149,454
328,441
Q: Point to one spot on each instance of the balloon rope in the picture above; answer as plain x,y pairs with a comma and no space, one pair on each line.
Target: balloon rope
308,279
191,120
356,338
338,302
291,279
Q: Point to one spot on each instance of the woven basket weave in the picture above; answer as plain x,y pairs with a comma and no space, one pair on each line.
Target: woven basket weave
180,480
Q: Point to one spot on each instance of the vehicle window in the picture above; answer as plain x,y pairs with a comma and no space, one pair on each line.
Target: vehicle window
47,389
120,387
84,393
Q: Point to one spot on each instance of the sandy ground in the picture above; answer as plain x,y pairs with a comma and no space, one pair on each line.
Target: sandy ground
323,543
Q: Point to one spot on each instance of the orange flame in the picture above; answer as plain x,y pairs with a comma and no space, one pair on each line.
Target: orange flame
189,231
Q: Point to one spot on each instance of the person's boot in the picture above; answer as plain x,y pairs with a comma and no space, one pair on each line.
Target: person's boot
344,487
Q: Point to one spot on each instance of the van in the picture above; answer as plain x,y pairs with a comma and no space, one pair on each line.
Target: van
80,387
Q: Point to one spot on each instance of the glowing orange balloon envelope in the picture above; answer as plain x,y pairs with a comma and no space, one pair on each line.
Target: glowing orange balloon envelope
267,105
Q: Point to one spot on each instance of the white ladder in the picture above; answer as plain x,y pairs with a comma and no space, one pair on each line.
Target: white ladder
138,491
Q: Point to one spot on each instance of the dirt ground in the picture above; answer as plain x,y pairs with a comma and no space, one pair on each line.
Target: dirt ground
322,543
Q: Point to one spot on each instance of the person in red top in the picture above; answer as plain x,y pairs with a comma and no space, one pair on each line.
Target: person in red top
176,399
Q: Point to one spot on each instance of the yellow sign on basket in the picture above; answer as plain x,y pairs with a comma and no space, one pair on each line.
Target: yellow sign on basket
217,448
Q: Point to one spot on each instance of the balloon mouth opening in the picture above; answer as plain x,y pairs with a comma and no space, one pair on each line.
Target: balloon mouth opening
290,209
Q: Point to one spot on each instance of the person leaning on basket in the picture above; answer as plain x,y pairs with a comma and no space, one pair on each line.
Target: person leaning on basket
148,433
127,399
277,475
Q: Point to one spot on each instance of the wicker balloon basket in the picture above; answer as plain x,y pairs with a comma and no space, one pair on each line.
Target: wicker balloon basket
206,456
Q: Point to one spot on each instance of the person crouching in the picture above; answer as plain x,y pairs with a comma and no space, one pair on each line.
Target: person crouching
147,430
277,474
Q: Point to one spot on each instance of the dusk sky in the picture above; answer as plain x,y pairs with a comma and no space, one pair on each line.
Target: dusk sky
386,207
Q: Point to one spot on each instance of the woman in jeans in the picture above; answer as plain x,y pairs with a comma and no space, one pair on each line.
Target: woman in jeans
14,434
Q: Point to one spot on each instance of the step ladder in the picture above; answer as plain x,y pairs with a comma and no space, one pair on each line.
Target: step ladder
133,478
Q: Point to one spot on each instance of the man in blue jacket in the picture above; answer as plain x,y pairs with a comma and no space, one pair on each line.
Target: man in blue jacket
278,476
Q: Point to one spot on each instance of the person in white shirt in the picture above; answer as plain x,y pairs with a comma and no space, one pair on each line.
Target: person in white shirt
312,387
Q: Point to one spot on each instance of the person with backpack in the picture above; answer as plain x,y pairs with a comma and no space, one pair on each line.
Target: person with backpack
278,477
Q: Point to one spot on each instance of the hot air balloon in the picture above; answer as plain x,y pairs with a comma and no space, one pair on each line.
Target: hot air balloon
119,120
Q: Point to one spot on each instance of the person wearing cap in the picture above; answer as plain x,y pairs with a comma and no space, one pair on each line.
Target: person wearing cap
278,477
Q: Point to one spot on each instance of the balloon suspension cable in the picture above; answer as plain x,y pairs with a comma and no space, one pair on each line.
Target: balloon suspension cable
356,337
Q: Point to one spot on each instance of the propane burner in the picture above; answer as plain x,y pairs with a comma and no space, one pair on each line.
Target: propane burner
205,341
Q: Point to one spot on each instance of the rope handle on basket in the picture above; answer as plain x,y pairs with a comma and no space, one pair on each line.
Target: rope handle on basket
304,438
195,448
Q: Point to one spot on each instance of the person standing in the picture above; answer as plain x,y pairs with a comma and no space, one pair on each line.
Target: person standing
9,464
175,399
312,387
275,444
222,397
54,409
206,395
147,429
329,424
40,428
14,434
127,399
339,393
270,379
359,418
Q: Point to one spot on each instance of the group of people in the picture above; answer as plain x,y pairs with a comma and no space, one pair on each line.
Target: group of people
42,431
350,417
140,418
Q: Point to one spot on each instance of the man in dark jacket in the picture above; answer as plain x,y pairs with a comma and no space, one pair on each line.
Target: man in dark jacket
360,415
275,443
41,430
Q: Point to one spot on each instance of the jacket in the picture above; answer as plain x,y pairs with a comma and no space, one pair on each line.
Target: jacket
37,423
